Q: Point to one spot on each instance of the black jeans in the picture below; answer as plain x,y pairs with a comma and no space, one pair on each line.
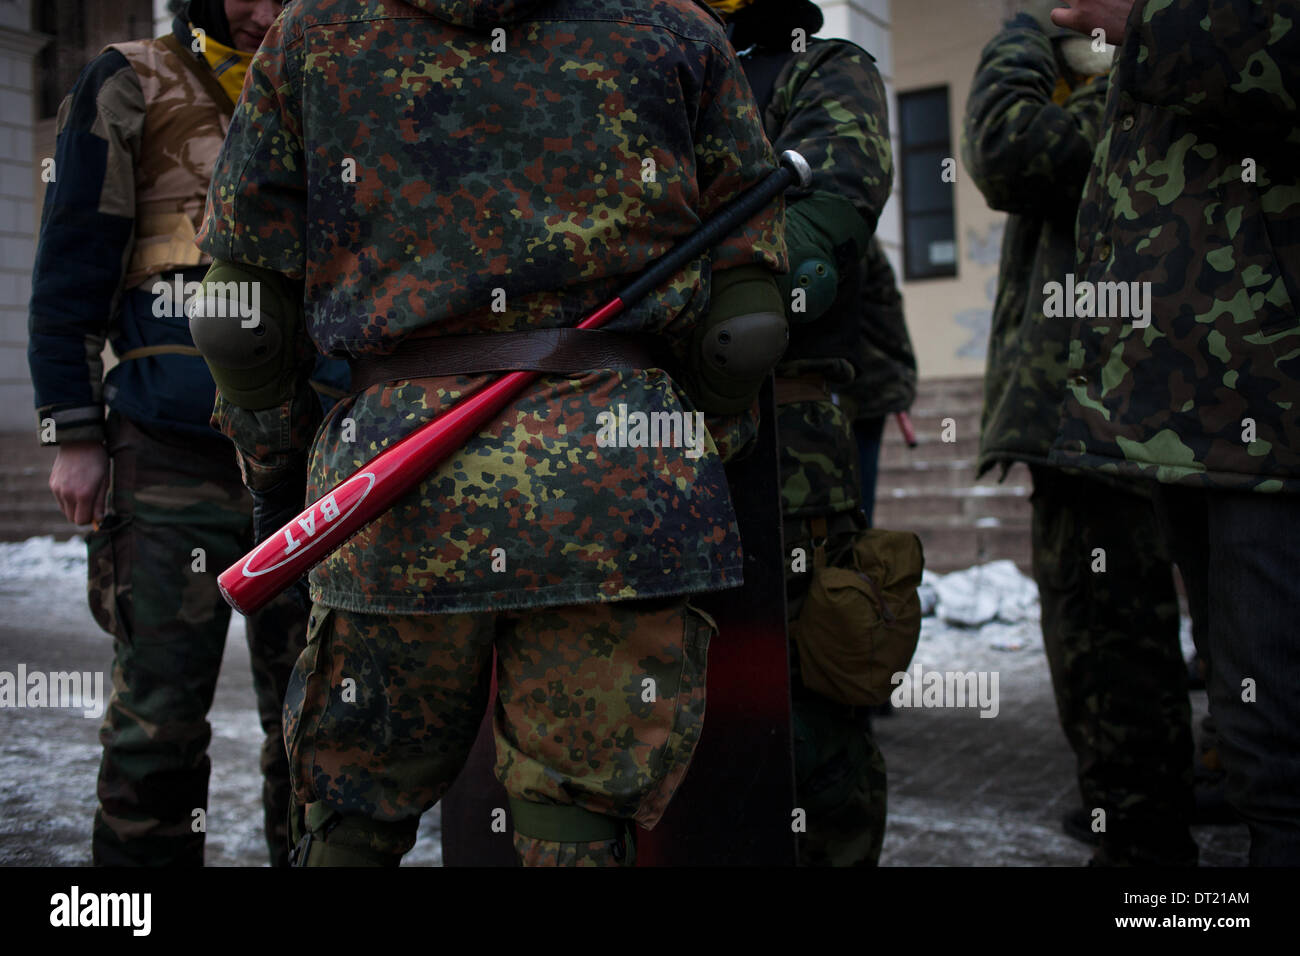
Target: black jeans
1247,564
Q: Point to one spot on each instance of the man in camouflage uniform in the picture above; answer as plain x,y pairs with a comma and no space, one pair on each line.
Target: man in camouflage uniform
506,176
1195,189
1111,628
824,98
137,139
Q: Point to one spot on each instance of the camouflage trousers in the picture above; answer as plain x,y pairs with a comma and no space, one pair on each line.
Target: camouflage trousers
1117,669
599,707
840,779
178,514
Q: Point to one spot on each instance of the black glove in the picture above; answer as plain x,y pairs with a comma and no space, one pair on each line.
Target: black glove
273,509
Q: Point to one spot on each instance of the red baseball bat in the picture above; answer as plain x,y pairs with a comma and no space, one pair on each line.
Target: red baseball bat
905,426
349,506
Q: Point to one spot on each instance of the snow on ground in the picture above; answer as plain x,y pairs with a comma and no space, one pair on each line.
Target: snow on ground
38,577
49,758
984,618
43,560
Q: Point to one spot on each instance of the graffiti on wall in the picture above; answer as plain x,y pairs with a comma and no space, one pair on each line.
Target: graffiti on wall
981,250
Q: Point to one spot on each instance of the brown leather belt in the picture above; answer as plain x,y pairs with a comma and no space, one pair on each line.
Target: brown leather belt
554,351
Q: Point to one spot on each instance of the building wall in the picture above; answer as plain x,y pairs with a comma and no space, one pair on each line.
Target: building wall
868,24
938,42
162,17
920,44
19,45
79,29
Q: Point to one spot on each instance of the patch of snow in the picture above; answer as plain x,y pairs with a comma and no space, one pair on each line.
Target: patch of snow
983,618
995,491
970,491
986,592
42,559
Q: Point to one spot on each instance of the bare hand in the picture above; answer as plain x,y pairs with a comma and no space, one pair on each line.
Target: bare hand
1088,15
79,480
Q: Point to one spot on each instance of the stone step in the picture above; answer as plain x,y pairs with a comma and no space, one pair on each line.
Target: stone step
28,508
20,451
958,522
21,528
969,503
929,448
935,428
941,390
25,483
931,489
956,474
951,549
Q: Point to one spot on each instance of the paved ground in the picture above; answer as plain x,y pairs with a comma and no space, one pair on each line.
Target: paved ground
965,791
970,791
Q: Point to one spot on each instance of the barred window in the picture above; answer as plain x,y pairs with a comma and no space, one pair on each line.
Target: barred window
929,230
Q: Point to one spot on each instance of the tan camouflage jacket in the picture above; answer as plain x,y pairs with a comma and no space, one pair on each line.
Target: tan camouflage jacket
137,138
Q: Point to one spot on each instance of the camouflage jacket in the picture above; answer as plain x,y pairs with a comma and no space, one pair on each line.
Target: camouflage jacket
829,103
1195,190
418,164
1029,155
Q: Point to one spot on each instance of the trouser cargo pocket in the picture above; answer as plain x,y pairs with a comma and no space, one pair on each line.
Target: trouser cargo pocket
108,560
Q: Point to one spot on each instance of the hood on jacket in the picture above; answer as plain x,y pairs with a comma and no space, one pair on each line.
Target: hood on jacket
478,14
211,16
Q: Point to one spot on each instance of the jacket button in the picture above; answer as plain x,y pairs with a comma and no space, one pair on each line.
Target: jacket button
1126,123
1103,251
1079,379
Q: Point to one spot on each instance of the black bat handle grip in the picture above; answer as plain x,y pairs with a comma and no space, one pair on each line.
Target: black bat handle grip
794,171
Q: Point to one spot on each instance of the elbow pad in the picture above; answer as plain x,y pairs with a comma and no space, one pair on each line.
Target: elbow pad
738,343
826,236
245,323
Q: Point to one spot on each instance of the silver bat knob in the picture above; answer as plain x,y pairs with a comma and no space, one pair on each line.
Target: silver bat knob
796,162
